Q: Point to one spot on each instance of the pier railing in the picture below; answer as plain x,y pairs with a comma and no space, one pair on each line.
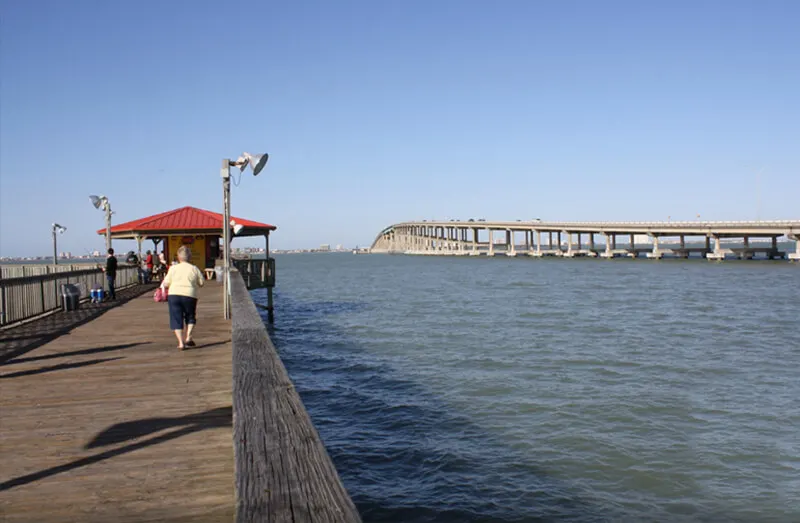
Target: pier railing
283,472
256,273
27,297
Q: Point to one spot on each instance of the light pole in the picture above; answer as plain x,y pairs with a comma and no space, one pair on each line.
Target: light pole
102,201
60,230
256,163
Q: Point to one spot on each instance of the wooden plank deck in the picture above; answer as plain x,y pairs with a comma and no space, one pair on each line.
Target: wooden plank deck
111,422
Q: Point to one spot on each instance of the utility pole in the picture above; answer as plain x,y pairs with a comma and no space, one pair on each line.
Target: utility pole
108,225
226,236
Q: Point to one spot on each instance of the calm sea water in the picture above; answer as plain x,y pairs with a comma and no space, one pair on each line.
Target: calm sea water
511,390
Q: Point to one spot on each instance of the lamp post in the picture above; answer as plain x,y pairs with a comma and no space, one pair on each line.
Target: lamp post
102,201
60,230
256,163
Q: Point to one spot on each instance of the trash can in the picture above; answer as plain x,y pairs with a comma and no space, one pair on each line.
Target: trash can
219,271
70,297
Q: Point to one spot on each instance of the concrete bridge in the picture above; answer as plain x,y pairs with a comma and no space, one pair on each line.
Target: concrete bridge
711,240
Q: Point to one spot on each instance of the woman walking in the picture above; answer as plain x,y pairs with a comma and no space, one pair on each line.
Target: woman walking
183,280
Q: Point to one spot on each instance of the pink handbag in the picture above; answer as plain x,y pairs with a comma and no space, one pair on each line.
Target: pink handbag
161,294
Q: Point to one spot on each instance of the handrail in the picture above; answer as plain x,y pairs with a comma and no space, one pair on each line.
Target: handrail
283,472
256,272
26,297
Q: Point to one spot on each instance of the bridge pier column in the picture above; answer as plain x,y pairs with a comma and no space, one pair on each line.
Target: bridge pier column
656,254
592,252
746,254
632,252
774,252
569,253
511,249
550,243
795,256
560,252
717,255
682,252
491,242
536,243
608,253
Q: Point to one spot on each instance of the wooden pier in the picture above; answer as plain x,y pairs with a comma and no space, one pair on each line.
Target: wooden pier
106,420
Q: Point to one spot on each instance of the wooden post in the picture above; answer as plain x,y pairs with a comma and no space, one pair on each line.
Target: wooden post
270,309
2,300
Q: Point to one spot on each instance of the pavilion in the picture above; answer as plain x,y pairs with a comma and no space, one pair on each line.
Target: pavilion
198,229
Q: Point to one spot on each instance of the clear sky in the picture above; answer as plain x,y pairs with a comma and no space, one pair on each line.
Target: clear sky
375,112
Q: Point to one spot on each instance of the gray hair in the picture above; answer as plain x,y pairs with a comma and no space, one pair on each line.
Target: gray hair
184,254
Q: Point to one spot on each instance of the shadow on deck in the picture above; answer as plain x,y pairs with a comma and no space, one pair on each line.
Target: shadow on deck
26,337
104,419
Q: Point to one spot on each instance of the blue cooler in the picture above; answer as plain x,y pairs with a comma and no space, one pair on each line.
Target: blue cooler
97,295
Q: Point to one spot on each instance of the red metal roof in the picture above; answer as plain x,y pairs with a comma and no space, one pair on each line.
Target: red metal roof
185,219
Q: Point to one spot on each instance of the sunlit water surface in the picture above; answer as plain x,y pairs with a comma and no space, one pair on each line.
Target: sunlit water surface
511,390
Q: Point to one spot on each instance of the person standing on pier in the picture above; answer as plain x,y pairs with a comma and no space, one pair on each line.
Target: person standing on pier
111,273
183,280
148,271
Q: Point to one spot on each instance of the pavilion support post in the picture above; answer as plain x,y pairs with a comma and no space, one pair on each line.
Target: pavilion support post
139,240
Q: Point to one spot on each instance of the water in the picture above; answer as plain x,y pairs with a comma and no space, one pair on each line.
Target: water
515,390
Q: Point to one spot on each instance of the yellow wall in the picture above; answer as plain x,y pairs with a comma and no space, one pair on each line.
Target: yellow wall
196,243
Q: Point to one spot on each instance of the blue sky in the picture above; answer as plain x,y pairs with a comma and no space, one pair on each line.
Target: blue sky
379,112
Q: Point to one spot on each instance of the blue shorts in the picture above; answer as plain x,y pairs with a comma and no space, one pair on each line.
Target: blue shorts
181,310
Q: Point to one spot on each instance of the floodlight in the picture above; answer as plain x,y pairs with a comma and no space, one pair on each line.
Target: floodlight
101,202
59,228
255,161
237,227
97,201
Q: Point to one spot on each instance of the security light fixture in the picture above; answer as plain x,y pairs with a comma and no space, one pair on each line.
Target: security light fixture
101,202
255,161
237,227
60,230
